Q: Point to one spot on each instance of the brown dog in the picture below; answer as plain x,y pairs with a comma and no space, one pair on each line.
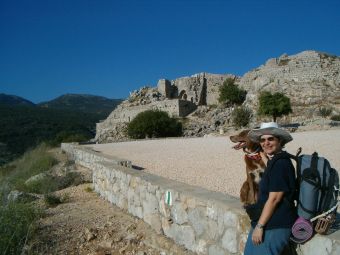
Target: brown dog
254,166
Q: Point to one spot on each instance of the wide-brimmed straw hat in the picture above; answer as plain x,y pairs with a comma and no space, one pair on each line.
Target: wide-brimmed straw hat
270,128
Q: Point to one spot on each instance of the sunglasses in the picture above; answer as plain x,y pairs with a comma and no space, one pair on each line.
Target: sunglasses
269,139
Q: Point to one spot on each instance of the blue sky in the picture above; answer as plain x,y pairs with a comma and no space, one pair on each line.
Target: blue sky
108,48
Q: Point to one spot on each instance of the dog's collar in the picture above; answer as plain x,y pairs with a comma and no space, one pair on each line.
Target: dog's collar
253,155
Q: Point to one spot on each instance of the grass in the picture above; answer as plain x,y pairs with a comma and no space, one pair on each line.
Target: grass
33,162
43,185
17,219
53,200
89,189
16,225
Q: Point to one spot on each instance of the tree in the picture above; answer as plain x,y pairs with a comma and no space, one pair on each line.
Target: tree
325,111
230,93
275,105
241,116
153,123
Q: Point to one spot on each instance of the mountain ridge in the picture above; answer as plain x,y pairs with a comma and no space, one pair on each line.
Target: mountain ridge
83,102
75,102
13,100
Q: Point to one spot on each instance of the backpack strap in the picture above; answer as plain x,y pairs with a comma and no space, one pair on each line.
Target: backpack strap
284,155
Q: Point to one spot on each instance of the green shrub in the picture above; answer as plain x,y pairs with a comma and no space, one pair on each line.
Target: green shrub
325,111
275,105
231,94
153,123
16,225
241,117
69,137
335,117
52,200
50,183
88,189
41,186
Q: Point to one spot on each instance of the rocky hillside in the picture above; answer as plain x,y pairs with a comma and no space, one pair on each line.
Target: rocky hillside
310,79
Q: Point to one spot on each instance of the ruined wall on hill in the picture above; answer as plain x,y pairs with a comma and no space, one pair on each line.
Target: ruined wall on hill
310,79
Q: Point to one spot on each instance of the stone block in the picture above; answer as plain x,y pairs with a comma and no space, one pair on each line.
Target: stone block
134,182
201,247
178,213
111,197
229,240
336,248
216,250
123,187
141,190
154,221
136,211
212,212
317,245
230,219
198,220
191,202
183,235
122,202
220,222
131,196
211,232
114,187
150,204
152,188
166,225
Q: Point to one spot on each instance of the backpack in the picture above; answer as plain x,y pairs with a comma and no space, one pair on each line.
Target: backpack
317,185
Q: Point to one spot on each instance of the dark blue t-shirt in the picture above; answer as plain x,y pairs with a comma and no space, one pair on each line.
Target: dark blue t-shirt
279,176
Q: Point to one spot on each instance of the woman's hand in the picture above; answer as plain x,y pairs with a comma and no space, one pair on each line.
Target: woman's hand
257,236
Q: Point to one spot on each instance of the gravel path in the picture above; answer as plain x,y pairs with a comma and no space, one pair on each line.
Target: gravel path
210,162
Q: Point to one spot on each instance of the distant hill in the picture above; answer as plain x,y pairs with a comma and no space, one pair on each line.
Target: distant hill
12,100
84,103
24,127
70,117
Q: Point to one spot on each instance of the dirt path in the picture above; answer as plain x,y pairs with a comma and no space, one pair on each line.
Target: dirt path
86,224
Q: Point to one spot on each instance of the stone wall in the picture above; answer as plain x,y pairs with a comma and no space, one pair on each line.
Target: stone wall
114,125
203,221
201,88
175,108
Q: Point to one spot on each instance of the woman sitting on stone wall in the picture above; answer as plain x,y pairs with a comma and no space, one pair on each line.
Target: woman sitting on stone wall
273,214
